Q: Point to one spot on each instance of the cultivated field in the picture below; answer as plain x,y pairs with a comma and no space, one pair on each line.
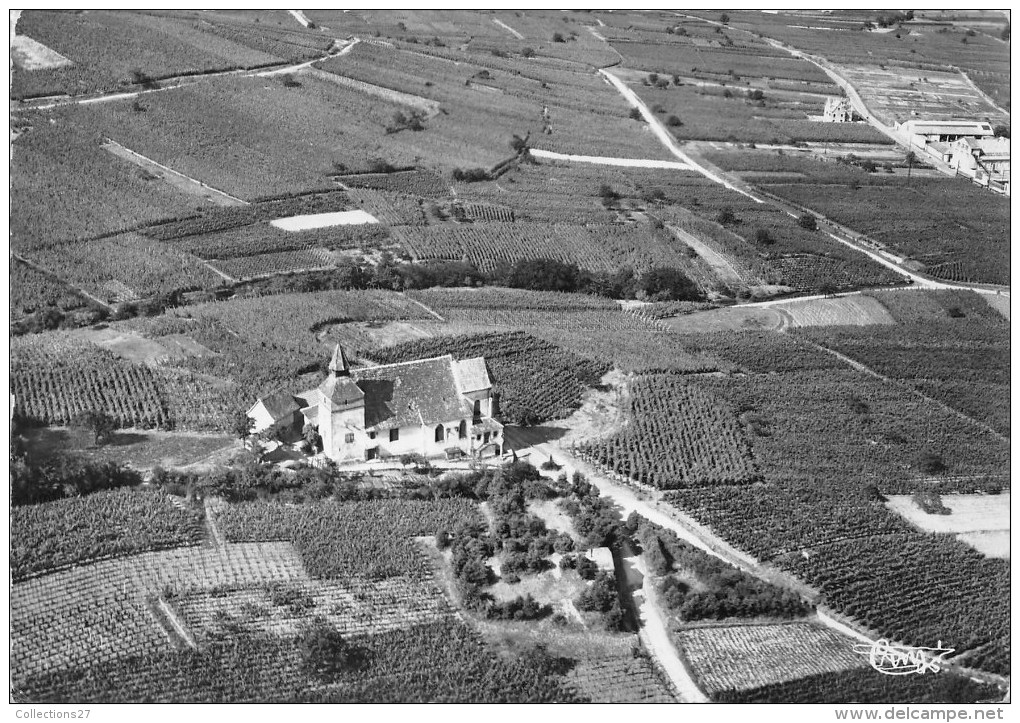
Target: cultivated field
741,657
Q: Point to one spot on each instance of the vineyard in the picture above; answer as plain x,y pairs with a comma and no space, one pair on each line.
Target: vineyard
593,327
33,291
356,608
730,658
53,380
443,662
444,300
534,380
864,685
100,45
961,362
104,524
619,680
596,248
922,222
257,139
98,613
676,436
226,218
417,183
894,594
370,540
281,262
261,238
912,307
130,261
64,186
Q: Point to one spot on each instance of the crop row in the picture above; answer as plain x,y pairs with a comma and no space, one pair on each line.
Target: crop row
676,436
864,685
33,291
509,299
742,657
417,183
894,596
258,265
444,661
106,266
93,614
54,392
104,524
354,608
619,680
595,247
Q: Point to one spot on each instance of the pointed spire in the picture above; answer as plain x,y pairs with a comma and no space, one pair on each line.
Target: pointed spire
339,365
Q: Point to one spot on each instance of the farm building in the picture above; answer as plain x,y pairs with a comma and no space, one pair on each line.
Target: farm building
432,407
971,149
924,132
839,110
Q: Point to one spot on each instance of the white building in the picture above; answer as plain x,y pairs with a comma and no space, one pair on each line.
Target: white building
924,132
969,148
432,407
840,110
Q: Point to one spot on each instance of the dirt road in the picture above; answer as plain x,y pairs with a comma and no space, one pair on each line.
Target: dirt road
654,630
609,161
666,137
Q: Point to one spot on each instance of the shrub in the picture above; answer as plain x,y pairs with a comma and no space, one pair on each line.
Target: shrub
600,596
808,221
727,217
326,654
930,501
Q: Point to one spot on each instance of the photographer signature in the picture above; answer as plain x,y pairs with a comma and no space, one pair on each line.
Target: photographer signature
902,659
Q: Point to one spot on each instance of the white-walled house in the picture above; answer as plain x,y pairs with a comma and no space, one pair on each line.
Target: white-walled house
433,407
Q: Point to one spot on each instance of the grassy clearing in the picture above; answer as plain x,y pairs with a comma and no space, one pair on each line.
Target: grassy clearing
969,513
844,311
138,448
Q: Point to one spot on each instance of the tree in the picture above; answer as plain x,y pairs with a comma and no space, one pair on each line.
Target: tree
763,237
755,95
871,493
242,425
665,283
1001,131
98,423
558,38
674,121
635,114
808,221
726,216
724,19
930,463
828,289
312,438
911,159
528,52
1004,35
325,653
